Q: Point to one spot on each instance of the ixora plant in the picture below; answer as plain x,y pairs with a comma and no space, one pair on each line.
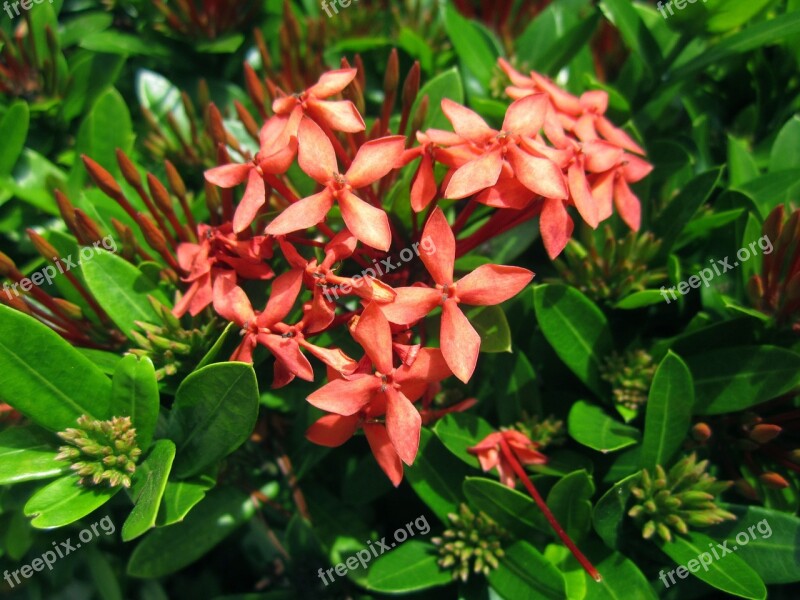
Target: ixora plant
305,315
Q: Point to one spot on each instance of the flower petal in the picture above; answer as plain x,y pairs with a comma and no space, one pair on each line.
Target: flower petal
332,430
375,336
384,452
492,284
474,176
403,424
526,115
230,301
601,156
466,123
228,176
339,115
282,297
374,160
302,215
603,194
346,397
423,189
332,82
617,136
539,175
627,204
411,304
581,194
287,351
556,226
369,224
335,358
440,258
459,340
315,152
253,199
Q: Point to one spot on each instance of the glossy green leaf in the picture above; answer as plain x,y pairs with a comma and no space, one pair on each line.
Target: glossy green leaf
149,482
491,324
622,579
459,431
444,85
768,190
525,573
134,393
742,167
472,47
730,573
214,351
669,412
44,377
64,501
576,329
640,299
90,76
169,549
513,510
570,501
610,511
180,497
409,567
633,30
733,379
436,476
13,132
115,42
214,413
784,151
588,424
121,290
103,576
28,453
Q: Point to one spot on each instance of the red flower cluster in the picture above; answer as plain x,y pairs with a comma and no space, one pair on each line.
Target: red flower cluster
273,229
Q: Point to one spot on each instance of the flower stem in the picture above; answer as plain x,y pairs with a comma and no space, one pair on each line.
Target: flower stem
520,472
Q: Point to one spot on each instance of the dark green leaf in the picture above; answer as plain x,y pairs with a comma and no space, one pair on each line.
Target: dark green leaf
149,482
569,499
459,431
409,567
180,497
134,393
609,512
64,501
622,579
513,510
589,425
13,132
491,324
525,573
474,50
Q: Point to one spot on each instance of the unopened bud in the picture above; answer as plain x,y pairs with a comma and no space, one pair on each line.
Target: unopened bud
701,432
102,178
765,432
774,481
128,169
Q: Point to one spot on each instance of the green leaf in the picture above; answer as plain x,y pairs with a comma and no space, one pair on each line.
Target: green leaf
180,497
64,501
568,45
13,132
459,431
609,513
513,510
121,290
213,352
149,483
103,576
28,453
640,299
491,324
472,47
784,151
589,425
633,31
227,44
730,574
671,221
764,190
214,413
90,76
513,382
742,167
169,549
622,579
444,85
436,476
525,573
134,393
669,412
732,379
74,30
773,546
44,377
576,329
570,501
114,42
409,567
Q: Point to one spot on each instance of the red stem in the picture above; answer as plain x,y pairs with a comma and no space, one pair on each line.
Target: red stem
517,467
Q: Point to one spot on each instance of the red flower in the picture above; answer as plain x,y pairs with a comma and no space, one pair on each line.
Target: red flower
339,115
486,285
317,158
490,454
388,390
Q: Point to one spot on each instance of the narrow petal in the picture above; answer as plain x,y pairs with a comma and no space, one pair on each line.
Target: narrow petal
374,160
339,115
539,175
475,176
634,168
231,302
335,358
601,156
429,366
627,204
332,430
440,258
617,136
244,351
492,284
403,424
564,101
584,128
253,199
459,341
423,189
466,123
302,215
556,227
384,452
287,351
332,82
411,304
203,295
369,224
315,152
346,397
526,115
603,193
282,297
375,336
581,194
595,101
506,193
515,76
228,176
